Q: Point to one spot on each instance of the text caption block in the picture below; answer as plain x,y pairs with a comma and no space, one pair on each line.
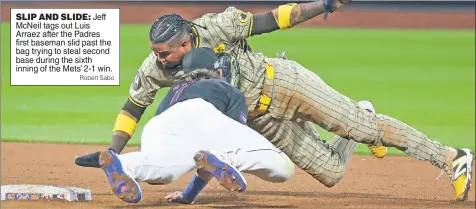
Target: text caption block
65,47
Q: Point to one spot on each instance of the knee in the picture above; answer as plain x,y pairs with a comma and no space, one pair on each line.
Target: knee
286,171
281,176
331,181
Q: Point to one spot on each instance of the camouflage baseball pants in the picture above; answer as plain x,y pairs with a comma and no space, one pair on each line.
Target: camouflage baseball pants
301,98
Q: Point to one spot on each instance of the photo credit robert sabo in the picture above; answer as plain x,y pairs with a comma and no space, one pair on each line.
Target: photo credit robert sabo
96,77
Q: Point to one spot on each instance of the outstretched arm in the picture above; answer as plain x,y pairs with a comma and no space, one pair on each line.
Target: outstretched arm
199,180
141,95
123,129
289,15
125,125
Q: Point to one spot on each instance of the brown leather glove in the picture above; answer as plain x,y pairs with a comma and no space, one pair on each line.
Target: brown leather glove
89,160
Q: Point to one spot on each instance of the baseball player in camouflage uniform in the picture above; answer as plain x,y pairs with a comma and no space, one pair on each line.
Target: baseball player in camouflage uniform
284,98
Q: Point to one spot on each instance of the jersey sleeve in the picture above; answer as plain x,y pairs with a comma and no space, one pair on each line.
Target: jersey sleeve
231,24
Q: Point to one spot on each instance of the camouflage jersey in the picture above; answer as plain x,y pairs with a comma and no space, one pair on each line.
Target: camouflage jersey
225,32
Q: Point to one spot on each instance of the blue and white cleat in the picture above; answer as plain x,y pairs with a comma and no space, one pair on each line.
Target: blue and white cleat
226,174
123,186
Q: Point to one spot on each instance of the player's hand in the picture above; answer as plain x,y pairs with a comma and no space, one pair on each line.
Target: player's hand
177,197
89,160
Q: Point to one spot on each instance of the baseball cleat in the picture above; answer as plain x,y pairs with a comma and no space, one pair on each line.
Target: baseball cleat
123,186
461,168
226,174
378,151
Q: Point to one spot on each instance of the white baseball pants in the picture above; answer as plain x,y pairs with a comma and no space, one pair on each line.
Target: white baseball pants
169,142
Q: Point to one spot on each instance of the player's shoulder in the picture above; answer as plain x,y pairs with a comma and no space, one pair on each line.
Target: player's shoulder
217,84
217,81
152,71
228,87
149,64
232,9
222,86
209,82
229,11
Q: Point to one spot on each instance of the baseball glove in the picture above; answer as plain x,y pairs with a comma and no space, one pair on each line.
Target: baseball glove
331,5
89,160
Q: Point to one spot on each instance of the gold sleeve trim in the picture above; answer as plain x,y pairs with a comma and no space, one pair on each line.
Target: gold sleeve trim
125,123
251,26
134,102
284,15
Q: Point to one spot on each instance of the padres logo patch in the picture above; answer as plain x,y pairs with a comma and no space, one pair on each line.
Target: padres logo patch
243,17
137,84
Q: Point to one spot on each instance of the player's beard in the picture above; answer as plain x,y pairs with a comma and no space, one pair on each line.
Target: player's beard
169,65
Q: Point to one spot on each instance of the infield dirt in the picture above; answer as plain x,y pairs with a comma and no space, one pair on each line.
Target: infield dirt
392,182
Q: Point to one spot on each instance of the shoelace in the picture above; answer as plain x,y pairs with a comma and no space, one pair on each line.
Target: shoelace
446,169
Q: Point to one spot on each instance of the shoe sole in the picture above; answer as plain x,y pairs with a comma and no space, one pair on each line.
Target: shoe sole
227,175
469,161
123,186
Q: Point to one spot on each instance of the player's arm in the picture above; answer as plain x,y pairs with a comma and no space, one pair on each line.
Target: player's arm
141,94
236,24
289,15
199,180
124,128
125,125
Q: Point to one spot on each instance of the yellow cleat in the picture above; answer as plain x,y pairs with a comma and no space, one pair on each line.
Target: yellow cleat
461,168
378,151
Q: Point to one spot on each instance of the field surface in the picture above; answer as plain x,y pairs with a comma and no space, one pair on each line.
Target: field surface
423,77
